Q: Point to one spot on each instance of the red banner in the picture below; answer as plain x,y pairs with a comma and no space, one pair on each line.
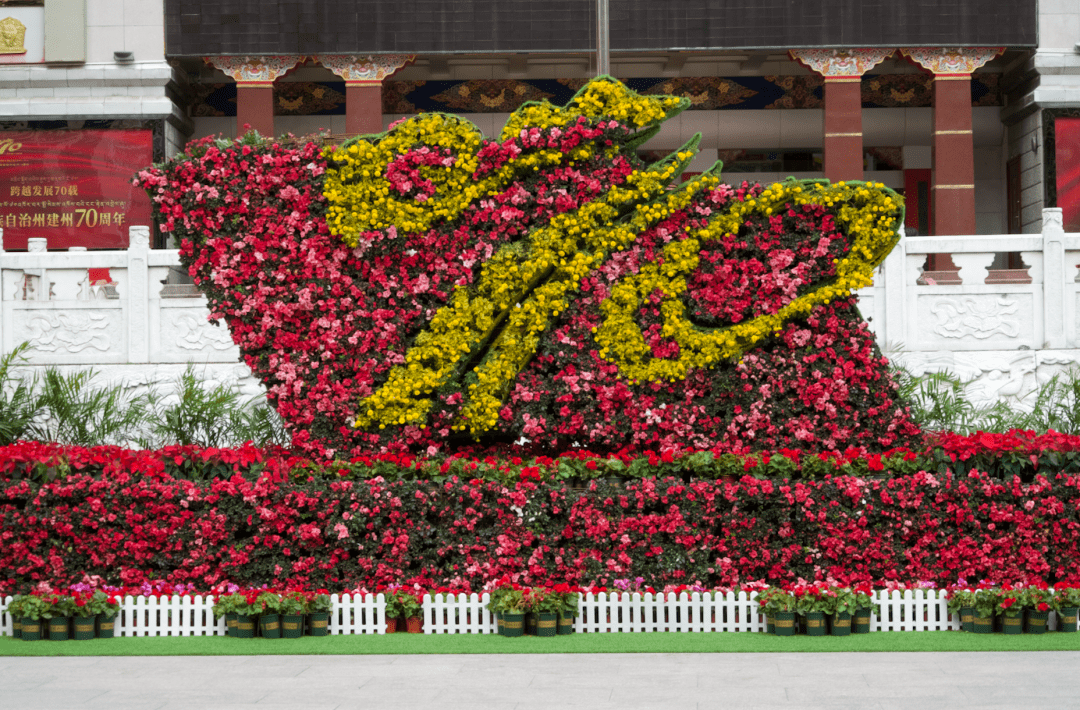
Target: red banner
1067,155
72,187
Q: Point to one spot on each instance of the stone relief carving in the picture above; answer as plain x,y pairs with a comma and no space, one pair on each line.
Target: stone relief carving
73,332
198,334
976,318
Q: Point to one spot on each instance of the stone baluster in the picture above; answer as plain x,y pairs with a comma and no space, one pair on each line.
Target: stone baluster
138,288
892,334
974,266
37,285
1054,275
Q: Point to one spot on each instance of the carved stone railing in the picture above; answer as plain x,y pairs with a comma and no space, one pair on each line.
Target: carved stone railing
1006,336
104,307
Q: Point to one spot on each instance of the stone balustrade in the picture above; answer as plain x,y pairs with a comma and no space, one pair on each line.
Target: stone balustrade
1004,332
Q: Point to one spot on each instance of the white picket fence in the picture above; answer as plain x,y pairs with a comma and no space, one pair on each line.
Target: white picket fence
616,612
193,616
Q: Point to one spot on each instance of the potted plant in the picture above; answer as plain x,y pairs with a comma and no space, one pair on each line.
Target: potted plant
762,599
510,603
14,608
1011,608
813,602
61,609
106,607
35,609
84,616
318,608
395,610
1066,602
227,605
568,608
247,612
781,605
986,608
546,605
403,604
840,605
864,607
1037,600
270,616
962,602
291,609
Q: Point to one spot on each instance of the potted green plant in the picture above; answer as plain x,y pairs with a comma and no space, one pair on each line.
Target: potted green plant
781,605
84,616
402,604
247,613
14,608
61,609
1066,602
961,600
226,606
106,607
864,608
394,611
291,609
840,605
546,605
413,611
318,608
762,599
1011,609
510,603
568,608
986,608
270,616
35,609
813,603
1037,600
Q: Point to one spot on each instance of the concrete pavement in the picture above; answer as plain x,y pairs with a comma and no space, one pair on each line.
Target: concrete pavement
867,681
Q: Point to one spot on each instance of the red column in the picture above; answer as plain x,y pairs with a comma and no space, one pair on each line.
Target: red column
363,77
255,107
254,77
952,190
363,108
953,155
843,143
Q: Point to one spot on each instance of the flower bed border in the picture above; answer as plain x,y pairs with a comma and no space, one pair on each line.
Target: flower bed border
616,612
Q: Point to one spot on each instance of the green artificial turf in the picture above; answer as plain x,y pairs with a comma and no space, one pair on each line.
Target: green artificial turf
576,643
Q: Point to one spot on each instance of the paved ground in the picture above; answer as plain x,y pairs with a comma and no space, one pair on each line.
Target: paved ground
922,681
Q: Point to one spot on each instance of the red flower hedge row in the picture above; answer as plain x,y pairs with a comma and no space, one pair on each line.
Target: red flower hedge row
129,527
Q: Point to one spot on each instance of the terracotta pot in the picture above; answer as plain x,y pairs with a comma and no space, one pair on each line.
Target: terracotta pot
414,624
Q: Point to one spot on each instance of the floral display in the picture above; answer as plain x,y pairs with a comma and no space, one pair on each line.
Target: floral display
429,289
278,521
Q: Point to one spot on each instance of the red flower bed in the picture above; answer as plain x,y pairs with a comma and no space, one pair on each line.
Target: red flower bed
131,517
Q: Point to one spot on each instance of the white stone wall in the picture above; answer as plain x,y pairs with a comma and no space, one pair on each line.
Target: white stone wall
1005,338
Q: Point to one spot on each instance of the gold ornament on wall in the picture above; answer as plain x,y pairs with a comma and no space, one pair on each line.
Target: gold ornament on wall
12,36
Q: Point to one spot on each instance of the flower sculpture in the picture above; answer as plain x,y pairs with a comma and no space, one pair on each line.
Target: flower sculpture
429,288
